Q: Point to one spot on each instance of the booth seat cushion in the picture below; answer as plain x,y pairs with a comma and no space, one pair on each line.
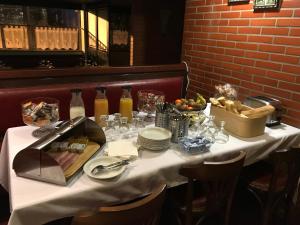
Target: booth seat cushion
10,98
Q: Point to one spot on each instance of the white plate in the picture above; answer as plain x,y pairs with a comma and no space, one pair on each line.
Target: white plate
151,145
106,174
154,138
155,133
156,148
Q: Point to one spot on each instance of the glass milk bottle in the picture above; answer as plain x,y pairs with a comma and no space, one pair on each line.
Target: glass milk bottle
126,103
100,103
76,104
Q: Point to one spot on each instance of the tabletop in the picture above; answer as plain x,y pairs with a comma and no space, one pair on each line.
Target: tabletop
46,202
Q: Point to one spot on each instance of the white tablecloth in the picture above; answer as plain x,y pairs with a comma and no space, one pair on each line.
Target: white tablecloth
34,202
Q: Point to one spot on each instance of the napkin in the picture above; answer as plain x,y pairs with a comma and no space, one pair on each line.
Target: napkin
122,148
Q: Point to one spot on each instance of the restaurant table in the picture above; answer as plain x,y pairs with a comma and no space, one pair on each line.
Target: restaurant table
35,202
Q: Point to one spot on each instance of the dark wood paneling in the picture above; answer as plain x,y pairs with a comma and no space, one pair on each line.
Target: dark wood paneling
31,78
80,71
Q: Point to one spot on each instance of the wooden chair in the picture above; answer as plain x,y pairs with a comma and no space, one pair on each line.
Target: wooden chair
294,215
217,182
144,211
274,182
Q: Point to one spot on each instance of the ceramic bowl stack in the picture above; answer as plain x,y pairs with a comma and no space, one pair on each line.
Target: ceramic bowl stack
154,138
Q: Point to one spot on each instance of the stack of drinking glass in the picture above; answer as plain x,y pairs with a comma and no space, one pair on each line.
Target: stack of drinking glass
117,127
209,130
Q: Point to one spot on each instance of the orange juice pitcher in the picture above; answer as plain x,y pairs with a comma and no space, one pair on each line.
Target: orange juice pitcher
100,103
126,103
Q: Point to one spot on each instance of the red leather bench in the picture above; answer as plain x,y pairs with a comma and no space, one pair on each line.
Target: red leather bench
169,80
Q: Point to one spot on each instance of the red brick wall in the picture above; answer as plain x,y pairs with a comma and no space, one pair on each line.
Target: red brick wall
259,53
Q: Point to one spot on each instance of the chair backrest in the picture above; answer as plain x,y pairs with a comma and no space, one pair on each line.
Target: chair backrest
286,163
144,211
218,181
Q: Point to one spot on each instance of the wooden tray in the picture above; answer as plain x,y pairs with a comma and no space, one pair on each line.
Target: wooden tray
89,151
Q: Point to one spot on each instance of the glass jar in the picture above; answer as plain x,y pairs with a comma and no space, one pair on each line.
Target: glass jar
100,104
126,103
76,105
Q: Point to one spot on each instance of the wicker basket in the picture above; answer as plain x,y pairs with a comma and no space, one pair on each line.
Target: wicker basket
237,125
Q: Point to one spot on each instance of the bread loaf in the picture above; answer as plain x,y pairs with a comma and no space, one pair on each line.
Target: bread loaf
258,112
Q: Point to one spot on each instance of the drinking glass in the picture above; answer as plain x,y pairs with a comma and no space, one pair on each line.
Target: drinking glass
110,131
124,128
103,121
210,129
196,123
134,122
135,114
108,127
140,122
222,137
117,120
193,130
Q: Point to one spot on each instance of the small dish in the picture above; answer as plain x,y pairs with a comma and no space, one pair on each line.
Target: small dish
105,174
195,145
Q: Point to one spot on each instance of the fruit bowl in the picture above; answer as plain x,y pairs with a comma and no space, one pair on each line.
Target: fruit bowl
191,104
191,109
40,112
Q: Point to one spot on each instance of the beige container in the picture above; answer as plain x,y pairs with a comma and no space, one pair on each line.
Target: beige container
237,125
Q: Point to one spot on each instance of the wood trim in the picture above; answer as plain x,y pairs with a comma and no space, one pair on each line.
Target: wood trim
85,71
38,77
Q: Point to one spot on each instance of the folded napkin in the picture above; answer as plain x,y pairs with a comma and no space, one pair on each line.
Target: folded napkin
122,148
